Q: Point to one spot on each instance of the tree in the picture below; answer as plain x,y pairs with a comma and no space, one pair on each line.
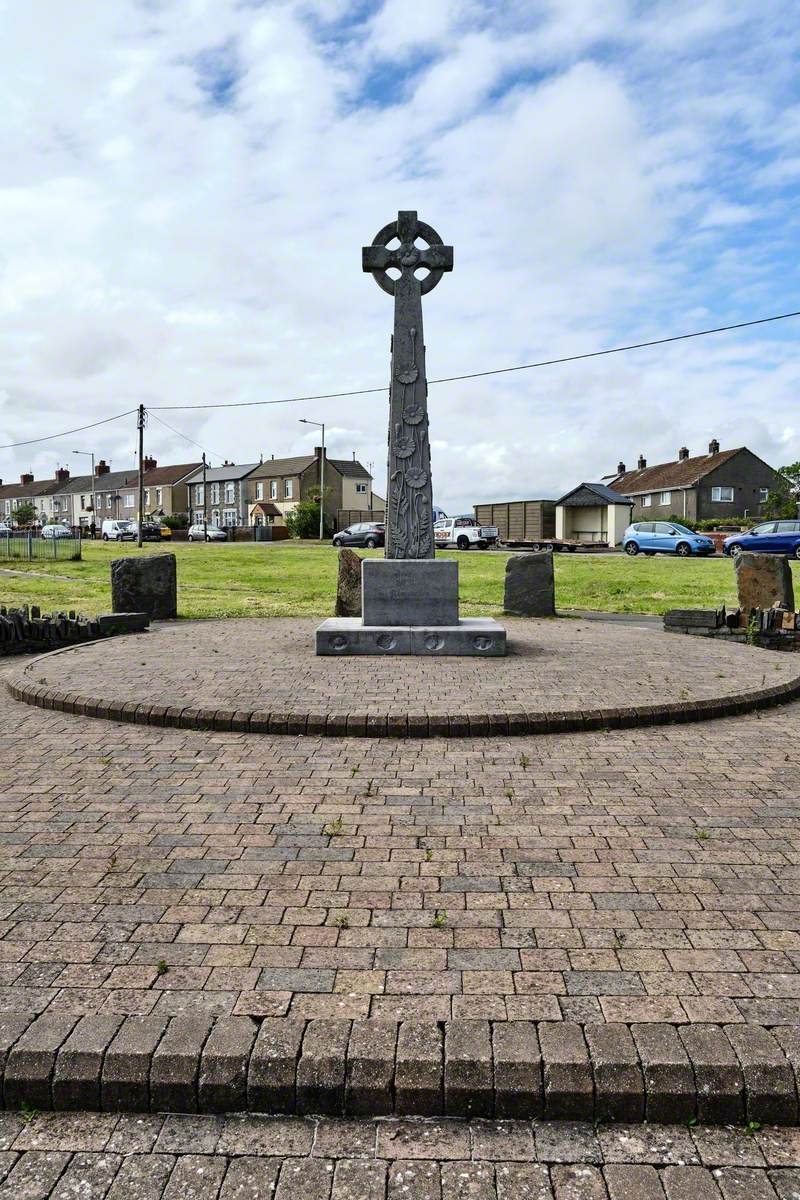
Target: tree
303,521
782,500
24,513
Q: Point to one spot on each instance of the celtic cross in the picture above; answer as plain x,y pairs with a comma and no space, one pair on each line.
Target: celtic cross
409,516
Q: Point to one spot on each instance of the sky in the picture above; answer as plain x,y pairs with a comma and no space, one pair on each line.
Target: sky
188,184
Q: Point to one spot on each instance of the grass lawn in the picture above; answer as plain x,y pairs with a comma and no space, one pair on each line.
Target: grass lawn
299,579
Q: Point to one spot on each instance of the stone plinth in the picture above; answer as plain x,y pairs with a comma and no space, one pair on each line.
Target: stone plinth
763,580
348,588
529,586
472,636
145,585
403,592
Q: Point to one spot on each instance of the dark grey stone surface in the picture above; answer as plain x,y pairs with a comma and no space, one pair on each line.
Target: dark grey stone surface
348,588
122,622
145,585
409,505
529,586
397,592
479,637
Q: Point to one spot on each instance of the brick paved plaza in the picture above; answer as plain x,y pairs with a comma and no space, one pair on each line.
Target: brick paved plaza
601,923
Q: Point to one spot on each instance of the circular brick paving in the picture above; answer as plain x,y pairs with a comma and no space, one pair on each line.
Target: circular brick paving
262,676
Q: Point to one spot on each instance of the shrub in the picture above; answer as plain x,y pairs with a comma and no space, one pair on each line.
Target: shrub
303,521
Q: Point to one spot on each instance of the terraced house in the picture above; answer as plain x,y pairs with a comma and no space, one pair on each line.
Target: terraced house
277,484
166,490
721,485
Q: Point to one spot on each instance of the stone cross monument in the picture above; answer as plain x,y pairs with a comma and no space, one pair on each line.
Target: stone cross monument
409,597
409,525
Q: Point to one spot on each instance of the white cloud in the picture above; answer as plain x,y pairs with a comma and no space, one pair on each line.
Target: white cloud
192,182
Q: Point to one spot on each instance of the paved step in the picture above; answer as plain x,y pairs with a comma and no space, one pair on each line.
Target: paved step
104,1157
647,1072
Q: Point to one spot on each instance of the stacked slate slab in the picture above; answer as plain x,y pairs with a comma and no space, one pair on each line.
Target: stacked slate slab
768,628
27,630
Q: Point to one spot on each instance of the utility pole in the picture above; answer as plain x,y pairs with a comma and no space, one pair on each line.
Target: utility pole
205,501
320,425
140,422
369,485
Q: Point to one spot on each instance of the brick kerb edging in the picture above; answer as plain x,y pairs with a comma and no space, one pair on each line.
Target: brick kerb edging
512,1069
412,724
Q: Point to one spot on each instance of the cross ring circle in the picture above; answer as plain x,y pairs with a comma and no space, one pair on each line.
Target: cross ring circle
429,234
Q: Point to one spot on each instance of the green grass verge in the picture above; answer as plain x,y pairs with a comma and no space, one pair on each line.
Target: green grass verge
287,579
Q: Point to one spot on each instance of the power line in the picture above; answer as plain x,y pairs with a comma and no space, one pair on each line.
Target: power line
185,436
52,437
547,362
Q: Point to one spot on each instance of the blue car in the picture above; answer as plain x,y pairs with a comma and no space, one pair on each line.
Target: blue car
773,537
665,537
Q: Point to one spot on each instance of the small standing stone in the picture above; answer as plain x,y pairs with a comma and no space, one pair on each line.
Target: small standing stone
763,581
145,585
348,589
529,589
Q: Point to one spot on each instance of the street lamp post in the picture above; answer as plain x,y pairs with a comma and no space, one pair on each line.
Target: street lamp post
320,425
90,454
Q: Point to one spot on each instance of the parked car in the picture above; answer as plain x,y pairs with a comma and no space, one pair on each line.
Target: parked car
773,537
56,531
665,537
208,533
367,533
463,532
151,531
118,531
5,529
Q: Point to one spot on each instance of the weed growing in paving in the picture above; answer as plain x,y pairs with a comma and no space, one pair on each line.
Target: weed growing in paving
162,967
334,828
440,920
342,921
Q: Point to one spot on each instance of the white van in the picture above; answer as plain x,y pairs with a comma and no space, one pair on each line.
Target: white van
119,531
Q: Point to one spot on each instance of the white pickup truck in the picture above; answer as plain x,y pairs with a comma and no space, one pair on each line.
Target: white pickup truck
463,533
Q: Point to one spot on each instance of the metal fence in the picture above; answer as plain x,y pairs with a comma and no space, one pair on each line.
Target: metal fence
23,544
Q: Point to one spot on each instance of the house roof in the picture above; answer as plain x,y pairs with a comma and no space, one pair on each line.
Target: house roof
587,493
173,474
350,467
22,491
220,474
109,482
267,508
677,474
284,466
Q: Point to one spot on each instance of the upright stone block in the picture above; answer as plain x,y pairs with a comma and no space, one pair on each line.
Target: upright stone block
145,585
348,588
417,592
529,588
763,580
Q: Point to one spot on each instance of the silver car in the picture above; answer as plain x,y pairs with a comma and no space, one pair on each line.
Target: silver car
57,531
208,533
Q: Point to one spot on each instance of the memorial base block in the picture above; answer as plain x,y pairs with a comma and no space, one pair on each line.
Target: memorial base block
477,637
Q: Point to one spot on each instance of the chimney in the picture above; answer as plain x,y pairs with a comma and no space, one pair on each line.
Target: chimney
26,479
620,468
683,454
102,468
642,463
318,451
713,446
150,464
62,474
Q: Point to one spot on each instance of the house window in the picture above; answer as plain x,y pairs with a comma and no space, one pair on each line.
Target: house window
159,494
259,491
230,493
108,500
722,495
647,501
229,516
56,506
198,493
287,489
83,503
273,489
8,507
666,498
198,516
147,497
215,493
215,518
129,499
763,495
361,488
